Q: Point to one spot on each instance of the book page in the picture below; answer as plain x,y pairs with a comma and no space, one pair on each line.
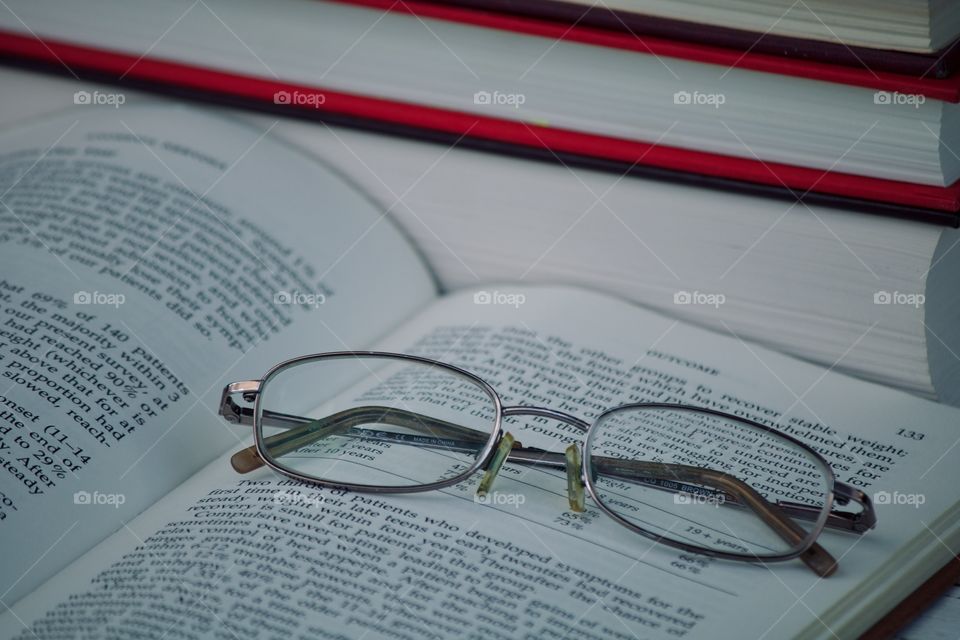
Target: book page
228,555
149,254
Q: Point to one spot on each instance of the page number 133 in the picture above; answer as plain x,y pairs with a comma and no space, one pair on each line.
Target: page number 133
913,435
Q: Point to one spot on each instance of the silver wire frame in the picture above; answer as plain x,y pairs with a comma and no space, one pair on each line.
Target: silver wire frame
822,516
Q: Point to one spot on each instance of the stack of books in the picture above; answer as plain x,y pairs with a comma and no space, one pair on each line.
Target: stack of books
746,96
703,124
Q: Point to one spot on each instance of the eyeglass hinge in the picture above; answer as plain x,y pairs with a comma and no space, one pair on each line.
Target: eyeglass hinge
233,412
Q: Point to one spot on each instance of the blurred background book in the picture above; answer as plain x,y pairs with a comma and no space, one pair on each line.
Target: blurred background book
912,37
679,109
869,295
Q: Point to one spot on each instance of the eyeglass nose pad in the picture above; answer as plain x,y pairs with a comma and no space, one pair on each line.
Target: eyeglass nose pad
506,443
575,494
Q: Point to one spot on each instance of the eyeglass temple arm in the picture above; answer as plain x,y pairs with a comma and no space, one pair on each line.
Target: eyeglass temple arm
304,431
237,414
815,557
309,431
854,522
670,477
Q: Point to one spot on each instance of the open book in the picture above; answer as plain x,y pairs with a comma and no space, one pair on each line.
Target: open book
150,257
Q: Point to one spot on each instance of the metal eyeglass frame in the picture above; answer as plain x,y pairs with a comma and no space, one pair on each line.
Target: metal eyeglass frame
500,447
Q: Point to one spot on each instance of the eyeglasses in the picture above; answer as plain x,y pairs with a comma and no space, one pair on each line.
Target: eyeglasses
689,477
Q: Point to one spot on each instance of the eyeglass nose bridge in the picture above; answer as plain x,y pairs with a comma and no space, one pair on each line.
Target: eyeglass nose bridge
572,459
544,412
